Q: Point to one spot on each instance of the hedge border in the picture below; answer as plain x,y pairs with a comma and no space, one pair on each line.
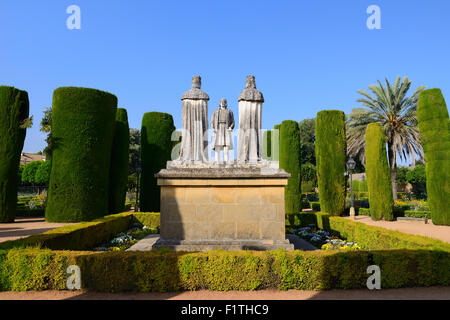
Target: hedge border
421,262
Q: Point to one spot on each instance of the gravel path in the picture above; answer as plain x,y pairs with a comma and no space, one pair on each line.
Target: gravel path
24,227
430,293
427,230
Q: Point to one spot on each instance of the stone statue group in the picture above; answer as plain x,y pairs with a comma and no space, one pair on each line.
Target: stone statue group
194,141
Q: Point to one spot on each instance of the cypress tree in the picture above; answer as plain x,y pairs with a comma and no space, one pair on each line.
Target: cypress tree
156,148
434,126
14,111
290,162
378,174
118,175
83,122
330,160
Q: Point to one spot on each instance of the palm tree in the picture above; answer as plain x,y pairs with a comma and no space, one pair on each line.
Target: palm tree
397,115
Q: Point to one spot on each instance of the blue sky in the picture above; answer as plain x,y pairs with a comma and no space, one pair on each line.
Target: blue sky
306,55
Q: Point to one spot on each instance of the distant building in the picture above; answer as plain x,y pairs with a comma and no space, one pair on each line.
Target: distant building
30,157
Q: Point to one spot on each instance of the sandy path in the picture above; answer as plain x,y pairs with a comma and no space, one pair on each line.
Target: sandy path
24,227
427,230
430,293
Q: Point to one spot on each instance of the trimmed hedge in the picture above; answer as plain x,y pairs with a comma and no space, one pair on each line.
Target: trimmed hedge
162,271
118,172
14,110
377,238
82,132
378,174
290,162
417,214
315,205
434,126
156,149
330,159
303,219
222,270
364,212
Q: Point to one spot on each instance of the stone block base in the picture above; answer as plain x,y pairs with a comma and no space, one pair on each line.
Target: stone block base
232,208
232,245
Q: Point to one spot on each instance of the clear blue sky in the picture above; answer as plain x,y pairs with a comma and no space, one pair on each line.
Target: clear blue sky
306,55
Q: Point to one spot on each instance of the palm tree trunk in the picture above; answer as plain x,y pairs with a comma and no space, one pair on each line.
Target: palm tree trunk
393,166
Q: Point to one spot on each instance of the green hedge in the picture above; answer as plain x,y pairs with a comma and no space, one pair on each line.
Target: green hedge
303,219
330,159
118,173
364,212
378,174
377,238
315,205
222,270
417,214
156,149
14,110
434,126
290,162
82,132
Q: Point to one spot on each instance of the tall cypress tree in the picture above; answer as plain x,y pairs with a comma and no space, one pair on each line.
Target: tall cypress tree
378,174
83,122
156,148
434,126
118,174
290,162
14,110
330,160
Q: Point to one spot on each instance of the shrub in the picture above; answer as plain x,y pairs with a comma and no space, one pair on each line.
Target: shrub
330,160
417,214
82,133
304,219
14,109
417,178
315,205
377,238
378,174
364,212
156,148
29,171
434,126
308,172
42,175
118,174
290,161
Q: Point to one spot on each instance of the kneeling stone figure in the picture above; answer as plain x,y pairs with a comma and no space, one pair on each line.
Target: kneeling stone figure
222,124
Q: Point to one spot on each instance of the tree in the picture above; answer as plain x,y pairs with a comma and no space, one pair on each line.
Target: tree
118,177
417,178
331,160
290,162
42,175
307,140
83,122
14,111
135,150
156,149
29,172
397,115
378,175
434,125
46,126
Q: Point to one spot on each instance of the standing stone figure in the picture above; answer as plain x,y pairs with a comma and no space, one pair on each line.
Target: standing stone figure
222,124
194,141
250,112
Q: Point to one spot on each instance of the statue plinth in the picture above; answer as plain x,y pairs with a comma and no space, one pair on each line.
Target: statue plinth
231,207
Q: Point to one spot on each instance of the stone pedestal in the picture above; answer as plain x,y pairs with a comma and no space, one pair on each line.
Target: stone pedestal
229,207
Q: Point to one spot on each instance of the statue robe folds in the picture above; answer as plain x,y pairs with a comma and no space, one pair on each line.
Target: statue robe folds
250,123
194,141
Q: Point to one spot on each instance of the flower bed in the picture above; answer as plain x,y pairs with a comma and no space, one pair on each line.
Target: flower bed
326,240
125,240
